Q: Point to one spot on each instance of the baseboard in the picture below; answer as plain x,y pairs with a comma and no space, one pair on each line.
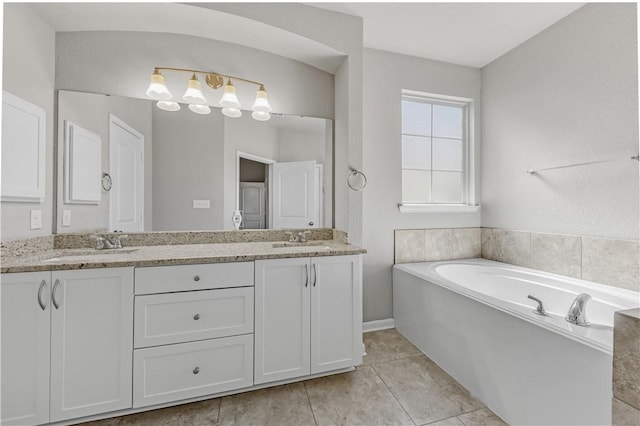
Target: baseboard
376,325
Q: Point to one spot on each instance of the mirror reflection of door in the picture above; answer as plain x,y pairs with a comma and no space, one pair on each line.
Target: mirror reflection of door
126,164
295,204
253,194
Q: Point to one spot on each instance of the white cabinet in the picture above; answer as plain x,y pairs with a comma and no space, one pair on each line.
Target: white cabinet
26,318
91,341
193,331
66,346
282,319
308,316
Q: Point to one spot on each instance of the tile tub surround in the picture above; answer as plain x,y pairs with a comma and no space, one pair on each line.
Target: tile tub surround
601,260
626,367
400,386
425,245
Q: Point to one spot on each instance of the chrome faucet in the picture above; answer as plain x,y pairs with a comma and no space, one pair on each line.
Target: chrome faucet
540,309
103,242
578,311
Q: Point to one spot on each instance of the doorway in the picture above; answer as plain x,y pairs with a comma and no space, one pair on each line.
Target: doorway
253,196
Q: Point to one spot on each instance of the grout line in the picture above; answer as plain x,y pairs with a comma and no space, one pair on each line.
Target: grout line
306,392
393,395
441,420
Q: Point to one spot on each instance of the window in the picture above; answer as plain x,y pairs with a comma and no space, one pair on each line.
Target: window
435,152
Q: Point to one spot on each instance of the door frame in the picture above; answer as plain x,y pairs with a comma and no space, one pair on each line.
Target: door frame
269,163
114,120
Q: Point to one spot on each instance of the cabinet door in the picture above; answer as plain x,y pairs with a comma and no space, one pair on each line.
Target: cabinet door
336,312
91,341
26,318
282,297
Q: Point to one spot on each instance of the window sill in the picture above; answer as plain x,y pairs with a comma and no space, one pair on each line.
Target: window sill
437,208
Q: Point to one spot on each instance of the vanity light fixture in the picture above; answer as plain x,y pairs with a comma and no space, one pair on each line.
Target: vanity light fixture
195,97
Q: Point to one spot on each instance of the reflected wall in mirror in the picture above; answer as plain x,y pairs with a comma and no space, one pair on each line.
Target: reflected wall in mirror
175,171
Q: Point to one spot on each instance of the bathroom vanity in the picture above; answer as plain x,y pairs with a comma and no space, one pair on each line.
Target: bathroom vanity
88,335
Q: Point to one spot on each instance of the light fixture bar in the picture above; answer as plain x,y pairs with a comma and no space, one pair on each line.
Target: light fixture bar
207,73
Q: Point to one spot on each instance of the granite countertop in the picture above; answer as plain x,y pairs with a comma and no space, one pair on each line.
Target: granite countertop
182,254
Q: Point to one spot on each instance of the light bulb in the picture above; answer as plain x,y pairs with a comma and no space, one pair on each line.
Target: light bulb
260,115
199,108
168,106
261,103
194,91
229,98
232,112
158,87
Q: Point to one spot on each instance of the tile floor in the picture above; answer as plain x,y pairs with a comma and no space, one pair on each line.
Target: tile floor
396,385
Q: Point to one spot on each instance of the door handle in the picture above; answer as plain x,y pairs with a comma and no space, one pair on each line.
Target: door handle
306,275
315,274
53,294
40,302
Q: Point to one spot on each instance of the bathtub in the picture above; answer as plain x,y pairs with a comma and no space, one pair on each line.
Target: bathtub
473,318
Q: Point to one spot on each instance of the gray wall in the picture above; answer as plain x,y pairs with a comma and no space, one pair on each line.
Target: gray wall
91,111
28,72
188,164
386,74
568,95
252,171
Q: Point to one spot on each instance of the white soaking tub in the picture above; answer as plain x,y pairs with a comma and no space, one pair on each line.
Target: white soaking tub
473,318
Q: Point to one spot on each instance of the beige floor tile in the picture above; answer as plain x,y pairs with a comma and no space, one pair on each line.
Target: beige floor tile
278,406
425,390
356,398
481,417
451,421
387,345
195,414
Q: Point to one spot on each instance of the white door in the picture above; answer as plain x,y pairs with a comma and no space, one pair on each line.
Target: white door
252,205
126,166
336,312
91,342
26,318
282,302
294,195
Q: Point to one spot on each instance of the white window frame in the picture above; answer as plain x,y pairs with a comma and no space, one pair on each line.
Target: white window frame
468,152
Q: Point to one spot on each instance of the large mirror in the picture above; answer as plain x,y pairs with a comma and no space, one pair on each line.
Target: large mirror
125,165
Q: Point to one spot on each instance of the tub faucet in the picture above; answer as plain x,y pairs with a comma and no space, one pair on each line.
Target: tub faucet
540,309
578,311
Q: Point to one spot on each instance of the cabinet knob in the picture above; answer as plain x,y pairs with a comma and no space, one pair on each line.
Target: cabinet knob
196,370
196,317
310,223
196,278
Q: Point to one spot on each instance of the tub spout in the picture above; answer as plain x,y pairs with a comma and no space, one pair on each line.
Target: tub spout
578,311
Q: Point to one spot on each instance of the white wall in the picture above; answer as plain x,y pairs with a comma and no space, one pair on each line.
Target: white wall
568,95
28,72
91,112
385,75
120,62
296,145
188,164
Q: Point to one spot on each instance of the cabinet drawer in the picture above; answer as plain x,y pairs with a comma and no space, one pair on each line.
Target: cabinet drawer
162,319
187,370
163,279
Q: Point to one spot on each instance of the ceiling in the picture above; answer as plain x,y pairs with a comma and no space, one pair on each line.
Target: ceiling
472,34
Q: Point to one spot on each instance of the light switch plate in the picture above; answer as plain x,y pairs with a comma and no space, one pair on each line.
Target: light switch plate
66,217
36,219
201,204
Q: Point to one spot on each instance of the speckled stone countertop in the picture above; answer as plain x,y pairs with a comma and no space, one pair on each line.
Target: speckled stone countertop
176,254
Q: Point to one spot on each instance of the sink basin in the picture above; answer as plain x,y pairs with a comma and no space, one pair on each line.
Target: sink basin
75,255
305,244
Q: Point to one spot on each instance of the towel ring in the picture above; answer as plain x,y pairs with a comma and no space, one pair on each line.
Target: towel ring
107,183
355,172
